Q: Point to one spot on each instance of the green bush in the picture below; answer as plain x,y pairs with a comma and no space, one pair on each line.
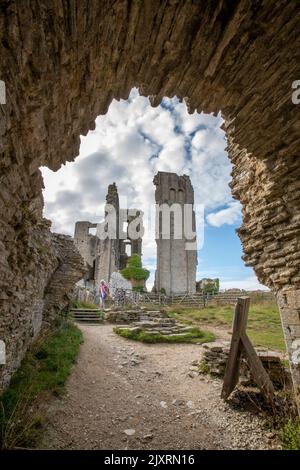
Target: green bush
290,435
134,269
138,289
212,286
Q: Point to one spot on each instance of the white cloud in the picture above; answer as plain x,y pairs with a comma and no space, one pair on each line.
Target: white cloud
250,283
129,145
230,215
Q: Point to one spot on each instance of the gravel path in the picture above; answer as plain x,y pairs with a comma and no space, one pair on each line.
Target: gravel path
128,395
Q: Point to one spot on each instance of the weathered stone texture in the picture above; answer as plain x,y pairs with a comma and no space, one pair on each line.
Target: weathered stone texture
215,357
176,258
60,288
63,63
41,272
105,255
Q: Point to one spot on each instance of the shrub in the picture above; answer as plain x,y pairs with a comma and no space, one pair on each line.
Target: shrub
134,269
290,435
138,289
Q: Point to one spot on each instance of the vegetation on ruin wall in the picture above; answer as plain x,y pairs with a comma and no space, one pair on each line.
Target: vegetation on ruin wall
134,269
264,325
194,336
42,374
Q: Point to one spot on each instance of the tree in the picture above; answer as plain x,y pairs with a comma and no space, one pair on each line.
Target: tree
134,269
211,286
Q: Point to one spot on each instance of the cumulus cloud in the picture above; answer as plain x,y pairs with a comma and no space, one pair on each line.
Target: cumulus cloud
250,283
129,145
230,215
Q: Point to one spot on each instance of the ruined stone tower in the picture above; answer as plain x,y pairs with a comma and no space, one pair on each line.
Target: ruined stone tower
103,256
108,256
176,254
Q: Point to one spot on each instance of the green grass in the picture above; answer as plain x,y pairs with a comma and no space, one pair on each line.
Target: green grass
78,304
194,336
42,374
290,435
264,325
203,367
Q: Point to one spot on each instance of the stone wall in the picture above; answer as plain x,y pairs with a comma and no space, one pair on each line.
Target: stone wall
59,290
42,274
123,316
63,63
105,255
176,263
215,356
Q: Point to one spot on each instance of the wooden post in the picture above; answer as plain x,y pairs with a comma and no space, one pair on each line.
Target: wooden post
240,343
233,364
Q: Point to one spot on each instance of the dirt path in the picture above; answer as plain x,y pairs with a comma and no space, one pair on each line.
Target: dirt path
129,395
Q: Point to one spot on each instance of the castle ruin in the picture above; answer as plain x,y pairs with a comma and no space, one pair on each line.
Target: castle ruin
211,54
104,255
176,254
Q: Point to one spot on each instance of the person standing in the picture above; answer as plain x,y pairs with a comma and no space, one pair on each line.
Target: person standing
103,291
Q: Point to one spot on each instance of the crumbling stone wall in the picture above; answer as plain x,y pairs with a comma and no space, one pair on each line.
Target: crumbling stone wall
63,63
40,275
215,357
104,256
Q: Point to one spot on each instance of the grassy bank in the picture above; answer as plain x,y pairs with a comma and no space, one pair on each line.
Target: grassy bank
42,374
264,326
194,336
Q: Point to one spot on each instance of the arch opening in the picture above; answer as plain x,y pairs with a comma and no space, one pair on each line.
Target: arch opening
165,138
221,64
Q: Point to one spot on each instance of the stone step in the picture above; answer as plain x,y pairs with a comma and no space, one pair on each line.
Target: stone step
86,316
133,329
144,324
72,310
75,317
88,320
82,314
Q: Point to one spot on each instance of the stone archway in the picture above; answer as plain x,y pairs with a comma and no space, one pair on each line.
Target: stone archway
63,62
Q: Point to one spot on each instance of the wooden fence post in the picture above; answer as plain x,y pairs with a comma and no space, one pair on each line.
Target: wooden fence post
241,344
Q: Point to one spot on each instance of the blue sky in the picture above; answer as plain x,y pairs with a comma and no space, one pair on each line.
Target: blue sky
129,145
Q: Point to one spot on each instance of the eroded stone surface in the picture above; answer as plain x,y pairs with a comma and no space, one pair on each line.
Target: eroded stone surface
105,253
176,251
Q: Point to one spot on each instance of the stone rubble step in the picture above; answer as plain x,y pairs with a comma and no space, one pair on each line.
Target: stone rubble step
87,314
90,321
72,310
86,318
133,329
